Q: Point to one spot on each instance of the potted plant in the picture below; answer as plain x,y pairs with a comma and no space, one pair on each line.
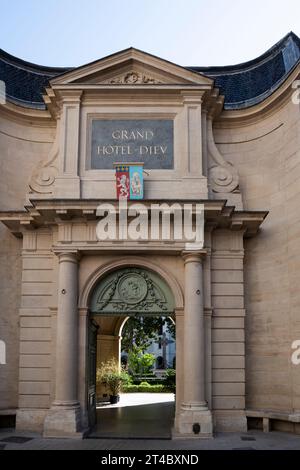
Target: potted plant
113,378
115,382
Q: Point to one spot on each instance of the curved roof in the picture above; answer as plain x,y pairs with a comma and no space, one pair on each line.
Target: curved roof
249,83
25,82
242,85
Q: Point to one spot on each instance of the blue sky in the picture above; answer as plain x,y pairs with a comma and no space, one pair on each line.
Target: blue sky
187,32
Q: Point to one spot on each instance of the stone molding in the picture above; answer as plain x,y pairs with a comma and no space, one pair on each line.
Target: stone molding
130,261
131,78
44,175
193,257
223,176
68,257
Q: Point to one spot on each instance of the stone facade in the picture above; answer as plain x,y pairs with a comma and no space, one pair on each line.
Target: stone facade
235,301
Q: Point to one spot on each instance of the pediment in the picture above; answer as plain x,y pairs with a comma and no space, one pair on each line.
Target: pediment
132,67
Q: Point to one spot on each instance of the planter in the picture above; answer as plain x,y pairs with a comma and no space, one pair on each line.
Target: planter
114,399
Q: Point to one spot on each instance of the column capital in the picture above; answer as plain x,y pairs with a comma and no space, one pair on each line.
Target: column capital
71,96
179,312
68,256
193,256
83,312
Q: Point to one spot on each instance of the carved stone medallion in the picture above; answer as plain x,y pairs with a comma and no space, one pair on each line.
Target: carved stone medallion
132,288
131,291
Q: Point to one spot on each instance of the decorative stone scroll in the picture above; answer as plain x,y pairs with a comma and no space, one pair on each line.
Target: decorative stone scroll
223,176
45,173
131,291
133,78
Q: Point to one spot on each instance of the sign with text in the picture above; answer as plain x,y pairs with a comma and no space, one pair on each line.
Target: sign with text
127,141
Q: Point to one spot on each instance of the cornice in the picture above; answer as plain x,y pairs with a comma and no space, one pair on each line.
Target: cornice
26,116
120,58
55,212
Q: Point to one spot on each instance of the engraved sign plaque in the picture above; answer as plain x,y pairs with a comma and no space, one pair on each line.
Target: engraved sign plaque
147,141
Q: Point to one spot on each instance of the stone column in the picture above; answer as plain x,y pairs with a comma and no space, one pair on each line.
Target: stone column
63,418
179,315
194,419
82,365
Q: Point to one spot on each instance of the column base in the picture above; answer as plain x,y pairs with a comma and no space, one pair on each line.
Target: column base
193,421
63,421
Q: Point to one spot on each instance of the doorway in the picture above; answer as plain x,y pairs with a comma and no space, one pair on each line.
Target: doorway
145,406
146,409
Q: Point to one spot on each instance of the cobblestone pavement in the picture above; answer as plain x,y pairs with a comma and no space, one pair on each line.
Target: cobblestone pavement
255,440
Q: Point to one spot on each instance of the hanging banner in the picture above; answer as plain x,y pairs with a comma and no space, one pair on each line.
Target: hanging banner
130,181
122,182
136,182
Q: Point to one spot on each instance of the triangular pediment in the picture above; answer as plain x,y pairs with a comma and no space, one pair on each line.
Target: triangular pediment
132,67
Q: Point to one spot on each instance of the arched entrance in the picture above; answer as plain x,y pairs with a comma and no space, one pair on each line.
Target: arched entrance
71,391
118,295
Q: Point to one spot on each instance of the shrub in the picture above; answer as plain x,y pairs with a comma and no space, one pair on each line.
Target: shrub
110,375
144,388
111,366
152,380
139,362
170,380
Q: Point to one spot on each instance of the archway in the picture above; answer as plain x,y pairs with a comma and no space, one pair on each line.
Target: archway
119,294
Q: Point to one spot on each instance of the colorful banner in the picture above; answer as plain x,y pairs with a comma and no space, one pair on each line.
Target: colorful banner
136,182
129,182
122,182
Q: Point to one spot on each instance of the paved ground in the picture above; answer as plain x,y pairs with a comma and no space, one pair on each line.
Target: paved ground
143,421
229,441
137,415
139,399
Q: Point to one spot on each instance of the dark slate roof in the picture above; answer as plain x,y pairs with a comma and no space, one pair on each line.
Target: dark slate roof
249,83
242,85
25,82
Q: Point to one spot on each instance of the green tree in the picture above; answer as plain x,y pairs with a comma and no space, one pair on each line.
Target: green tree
140,332
147,361
140,363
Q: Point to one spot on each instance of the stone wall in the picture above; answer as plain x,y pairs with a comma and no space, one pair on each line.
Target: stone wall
266,152
228,335
22,146
37,330
10,275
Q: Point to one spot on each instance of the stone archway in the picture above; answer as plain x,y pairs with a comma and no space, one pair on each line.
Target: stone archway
68,415
119,294
138,262
84,302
